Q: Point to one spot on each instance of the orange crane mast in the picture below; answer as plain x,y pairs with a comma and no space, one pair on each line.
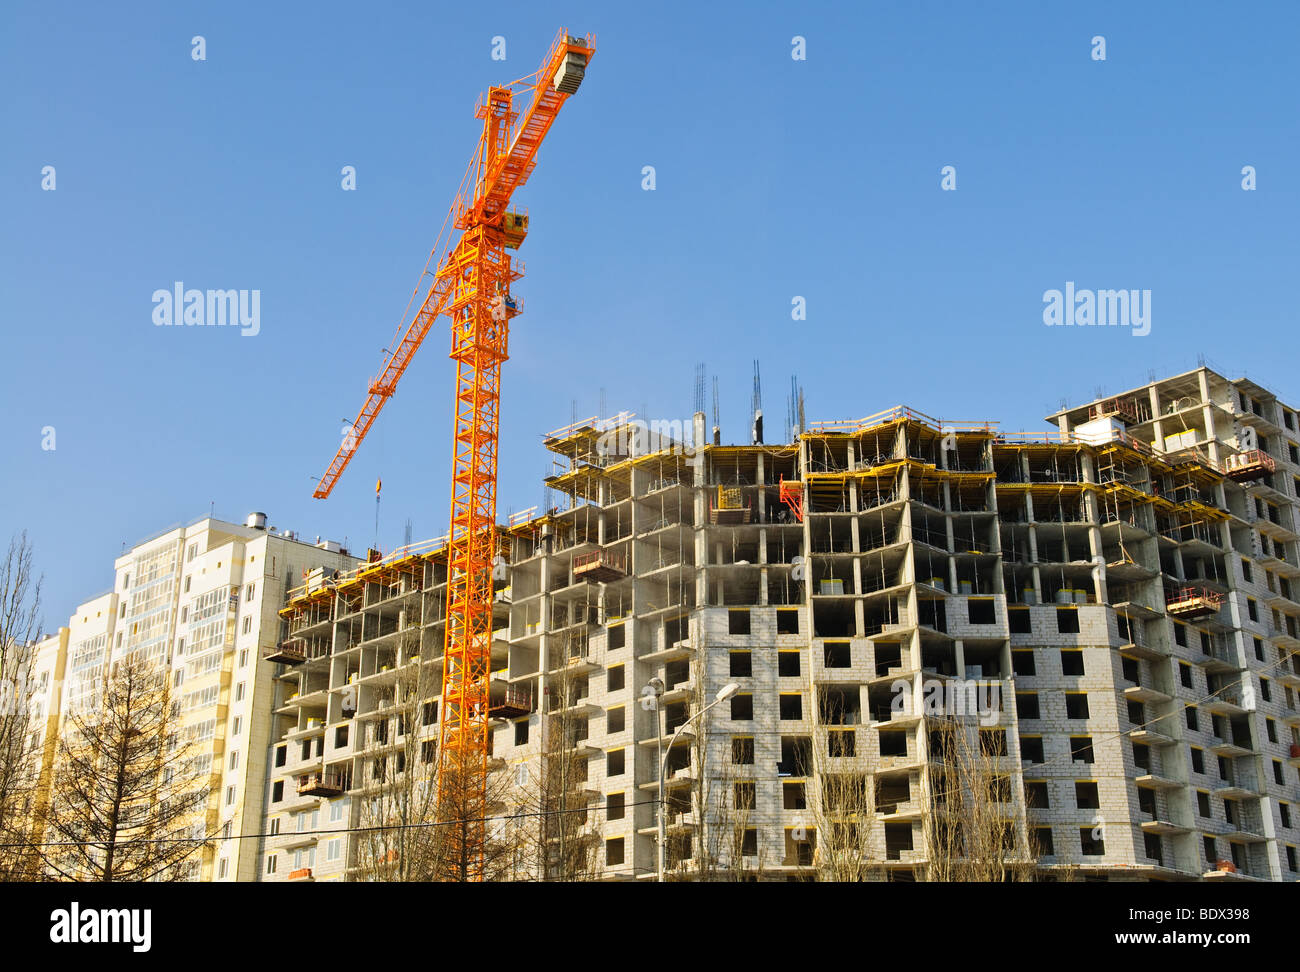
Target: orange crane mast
472,286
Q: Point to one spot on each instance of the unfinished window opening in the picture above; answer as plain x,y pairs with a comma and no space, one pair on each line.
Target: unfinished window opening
738,622
790,706
1130,669
521,733
614,678
889,656
1081,749
981,610
1090,842
787,664
615,721
614,805
1031,749
898,838
891,791
1086,795
841,706
799,845
837,654
1142,757
1076,705
1019,621
742,750
748,841
1036,797
617,637
1137,713
787,621
615,763
834,619
794,796
841,743
796,756
1071,661
1022,661
740,664
1067,620
614,852
893,743
1027,705
745,796
993,742
742,706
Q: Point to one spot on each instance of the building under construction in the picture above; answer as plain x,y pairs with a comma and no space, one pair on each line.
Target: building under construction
941,650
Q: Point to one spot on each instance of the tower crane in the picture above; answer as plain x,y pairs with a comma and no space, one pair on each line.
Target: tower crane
472,286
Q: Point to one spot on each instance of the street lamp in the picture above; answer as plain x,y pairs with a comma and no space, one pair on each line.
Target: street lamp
724,693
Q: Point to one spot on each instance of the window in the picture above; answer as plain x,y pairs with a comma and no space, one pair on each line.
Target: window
234,759
270,863
1290,858
334,849
738,622
1270,729
1252,609
787,621
1022,661
1185,674
248,591
239,691
1198,760
746,796
1036,797
223,866
791,705
614,805
742,750
981,610
614,678
615,720
1207,845
1090,841
614,851
742,706
1067,620
192,552
187,585
1019,620
1190,716
1027,705
617,637
230,795
741,664
281,753
615,764
1031,749
1259,650
1202,803
993,742
787,664
243,657
275,826
837,654
749,844
1277,772
1081,749
1071,662
1086,796
1076,705
336,810
1043,841
248,623
236,725
841,743
1284,810
1265,689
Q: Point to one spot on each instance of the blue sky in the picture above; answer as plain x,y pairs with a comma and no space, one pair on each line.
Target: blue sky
775,178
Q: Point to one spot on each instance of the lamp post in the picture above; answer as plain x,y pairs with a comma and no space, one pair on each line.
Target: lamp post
724,693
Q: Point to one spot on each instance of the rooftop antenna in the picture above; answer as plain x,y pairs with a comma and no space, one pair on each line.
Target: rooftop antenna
717,427
758,406
406,534
699,387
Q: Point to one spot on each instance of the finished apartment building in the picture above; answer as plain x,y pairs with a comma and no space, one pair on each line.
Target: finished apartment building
200,601
1117,603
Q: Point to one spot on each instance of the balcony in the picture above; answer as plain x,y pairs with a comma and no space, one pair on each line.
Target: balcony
511,703
1192,602
302,874
322,784
287,652
602,566
1249,466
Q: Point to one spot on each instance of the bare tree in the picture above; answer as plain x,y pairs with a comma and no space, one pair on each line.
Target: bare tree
20,603
972,830
128,793
842,804
397,786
